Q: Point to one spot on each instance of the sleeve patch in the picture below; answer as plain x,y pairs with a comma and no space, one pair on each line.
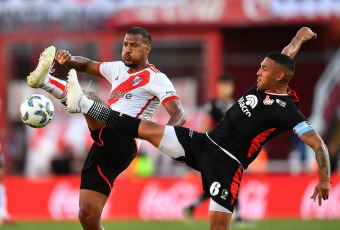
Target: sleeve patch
302,128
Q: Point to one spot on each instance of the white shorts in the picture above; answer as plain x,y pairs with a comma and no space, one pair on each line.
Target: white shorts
170,144
218,208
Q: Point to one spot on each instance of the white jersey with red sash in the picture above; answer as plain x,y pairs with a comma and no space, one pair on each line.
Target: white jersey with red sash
139,93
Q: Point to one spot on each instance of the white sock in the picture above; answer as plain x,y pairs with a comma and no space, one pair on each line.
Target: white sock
85,104
56,87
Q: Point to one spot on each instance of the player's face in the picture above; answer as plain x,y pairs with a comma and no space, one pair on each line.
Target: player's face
266,76
135,50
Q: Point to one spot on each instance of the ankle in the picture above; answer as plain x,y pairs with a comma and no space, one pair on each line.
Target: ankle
85,104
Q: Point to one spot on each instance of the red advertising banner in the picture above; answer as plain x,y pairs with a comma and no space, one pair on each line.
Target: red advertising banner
227,13
163,198
192,12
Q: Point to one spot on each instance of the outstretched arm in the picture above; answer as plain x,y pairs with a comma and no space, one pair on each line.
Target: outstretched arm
78,63
313,139
303,35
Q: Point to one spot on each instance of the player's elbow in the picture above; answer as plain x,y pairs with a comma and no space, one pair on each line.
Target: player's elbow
317,143
183,118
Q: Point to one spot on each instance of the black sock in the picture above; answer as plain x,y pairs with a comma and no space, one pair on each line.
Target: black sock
117,121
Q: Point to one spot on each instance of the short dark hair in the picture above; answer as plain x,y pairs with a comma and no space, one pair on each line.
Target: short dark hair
283,60
225,77
141,31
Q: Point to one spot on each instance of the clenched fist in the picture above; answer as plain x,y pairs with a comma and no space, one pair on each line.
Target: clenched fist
63,57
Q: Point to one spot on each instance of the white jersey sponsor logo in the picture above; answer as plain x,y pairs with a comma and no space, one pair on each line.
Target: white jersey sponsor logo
251,101
281,103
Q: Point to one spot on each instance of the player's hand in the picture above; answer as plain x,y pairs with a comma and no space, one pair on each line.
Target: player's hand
63,57
321,191
305,34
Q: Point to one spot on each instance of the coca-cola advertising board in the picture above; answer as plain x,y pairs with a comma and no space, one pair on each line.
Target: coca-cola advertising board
262,196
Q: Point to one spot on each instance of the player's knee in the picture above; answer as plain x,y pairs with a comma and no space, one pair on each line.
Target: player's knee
218,222
88,218
219,225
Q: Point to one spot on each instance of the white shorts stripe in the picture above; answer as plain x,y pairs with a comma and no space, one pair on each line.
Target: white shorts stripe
228,153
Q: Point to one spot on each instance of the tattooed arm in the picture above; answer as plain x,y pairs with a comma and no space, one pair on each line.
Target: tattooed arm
303,35
313,139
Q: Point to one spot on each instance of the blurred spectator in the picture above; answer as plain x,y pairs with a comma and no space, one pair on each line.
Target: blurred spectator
142,166
68,162
215,110
78,161
145,167
62,164
333,143
4,216
297,156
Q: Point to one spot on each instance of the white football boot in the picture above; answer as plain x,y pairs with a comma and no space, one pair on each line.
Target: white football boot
75,93
37,77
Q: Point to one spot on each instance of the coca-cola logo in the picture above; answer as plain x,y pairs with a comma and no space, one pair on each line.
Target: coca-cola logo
63,202
329,209
253,196
166,203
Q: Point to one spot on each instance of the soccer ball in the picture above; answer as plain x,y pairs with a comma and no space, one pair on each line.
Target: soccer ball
37,111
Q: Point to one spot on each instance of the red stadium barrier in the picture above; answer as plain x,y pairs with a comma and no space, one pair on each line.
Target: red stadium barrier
261,197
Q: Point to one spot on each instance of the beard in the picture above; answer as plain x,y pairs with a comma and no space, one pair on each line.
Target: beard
129,64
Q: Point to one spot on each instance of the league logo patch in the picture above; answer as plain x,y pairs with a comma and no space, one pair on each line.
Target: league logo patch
224,194
268,101
137,80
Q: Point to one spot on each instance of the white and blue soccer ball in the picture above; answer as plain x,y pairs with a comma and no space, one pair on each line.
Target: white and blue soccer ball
37,111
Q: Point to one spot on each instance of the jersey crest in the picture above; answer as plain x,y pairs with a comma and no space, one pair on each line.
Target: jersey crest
137,80
268,101
125,87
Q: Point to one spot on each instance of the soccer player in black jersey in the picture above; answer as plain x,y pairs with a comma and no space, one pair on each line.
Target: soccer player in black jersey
267,109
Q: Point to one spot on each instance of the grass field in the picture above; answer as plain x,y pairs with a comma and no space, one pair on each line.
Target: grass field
164,225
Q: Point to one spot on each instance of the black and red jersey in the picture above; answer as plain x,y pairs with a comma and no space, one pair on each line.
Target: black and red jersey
253,120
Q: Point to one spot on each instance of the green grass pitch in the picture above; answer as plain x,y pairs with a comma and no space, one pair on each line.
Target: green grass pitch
175,225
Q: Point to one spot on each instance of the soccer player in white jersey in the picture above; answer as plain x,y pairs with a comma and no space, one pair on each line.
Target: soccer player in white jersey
138,88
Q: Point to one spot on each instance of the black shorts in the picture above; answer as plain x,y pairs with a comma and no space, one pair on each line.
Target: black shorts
221,175
110,154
